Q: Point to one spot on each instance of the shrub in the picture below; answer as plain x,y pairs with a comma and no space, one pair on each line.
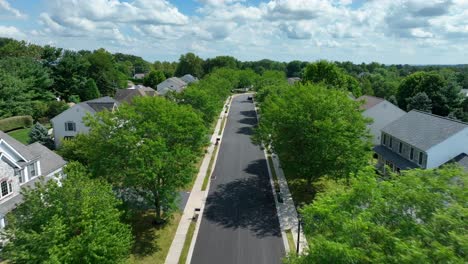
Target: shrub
15,122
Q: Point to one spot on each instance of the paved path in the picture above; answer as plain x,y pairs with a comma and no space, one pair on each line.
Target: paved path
239,223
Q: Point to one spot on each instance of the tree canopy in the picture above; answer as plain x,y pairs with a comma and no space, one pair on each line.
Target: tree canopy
416,217
315,131
74,222
190,64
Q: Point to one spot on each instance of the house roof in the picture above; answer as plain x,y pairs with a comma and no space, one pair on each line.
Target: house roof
369,101
462,160
18,146
396,159
293,80
188,78
126,95
423,130
173,83
99,104
50,161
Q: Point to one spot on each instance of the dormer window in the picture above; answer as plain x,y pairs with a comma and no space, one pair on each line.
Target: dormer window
70,126
32,169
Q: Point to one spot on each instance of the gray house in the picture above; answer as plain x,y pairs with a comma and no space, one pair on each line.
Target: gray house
422,140
69,123
172,84
22,166
381,111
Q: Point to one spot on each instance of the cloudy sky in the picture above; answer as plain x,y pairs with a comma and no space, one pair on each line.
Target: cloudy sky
386,31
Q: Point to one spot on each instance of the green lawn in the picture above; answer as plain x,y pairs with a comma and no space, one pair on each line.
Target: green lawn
152,243
22,135
188,241
292,245
210,168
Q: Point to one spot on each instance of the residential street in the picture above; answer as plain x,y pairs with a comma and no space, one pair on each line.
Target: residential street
239,224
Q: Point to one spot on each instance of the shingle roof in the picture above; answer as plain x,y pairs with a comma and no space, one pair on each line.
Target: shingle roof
18,146
99,104
173,83
126,95
188,78
50,161
369,101
461,159
423,130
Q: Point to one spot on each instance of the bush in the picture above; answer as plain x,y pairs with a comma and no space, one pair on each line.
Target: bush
15,122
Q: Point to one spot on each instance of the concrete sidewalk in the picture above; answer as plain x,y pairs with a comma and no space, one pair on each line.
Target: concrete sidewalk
196,199
286,211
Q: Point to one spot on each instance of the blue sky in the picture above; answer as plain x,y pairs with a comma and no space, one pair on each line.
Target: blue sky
386,31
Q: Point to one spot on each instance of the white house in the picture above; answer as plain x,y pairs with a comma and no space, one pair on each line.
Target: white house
382,113
22,166
69,123
172,84
423,140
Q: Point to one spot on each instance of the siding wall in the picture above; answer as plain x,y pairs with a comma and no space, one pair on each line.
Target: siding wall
406,150
74,114
7,172
448,149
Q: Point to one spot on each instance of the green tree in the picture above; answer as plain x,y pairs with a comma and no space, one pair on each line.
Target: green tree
40,134
190,64
168,68
315,131
77,222
294,68
332,76
420,102
103,70
154,78
416,217
147,148
89,91
220,62
15,98
443,92
70,74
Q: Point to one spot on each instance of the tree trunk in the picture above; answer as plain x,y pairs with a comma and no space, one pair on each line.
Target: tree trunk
157,205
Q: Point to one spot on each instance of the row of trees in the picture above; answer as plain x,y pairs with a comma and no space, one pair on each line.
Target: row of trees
360,217
141,155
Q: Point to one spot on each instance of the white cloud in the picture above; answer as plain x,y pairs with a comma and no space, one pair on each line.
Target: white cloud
6,8
11,32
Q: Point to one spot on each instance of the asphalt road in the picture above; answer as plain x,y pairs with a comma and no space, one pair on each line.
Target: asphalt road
239,223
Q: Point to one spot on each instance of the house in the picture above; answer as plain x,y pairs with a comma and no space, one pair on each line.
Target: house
188,79
22,166
382,113
69,123
139,76
172,84
422,140
293,80
127,95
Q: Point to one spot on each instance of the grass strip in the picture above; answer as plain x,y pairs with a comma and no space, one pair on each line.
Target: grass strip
221,128
273,174
188,241
292,245
22,135
210,168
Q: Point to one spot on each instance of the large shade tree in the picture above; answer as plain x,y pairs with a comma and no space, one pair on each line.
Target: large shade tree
74,222
190,64
145,149
315,131
417,217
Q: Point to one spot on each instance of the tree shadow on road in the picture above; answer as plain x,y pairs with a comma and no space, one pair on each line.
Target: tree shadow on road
249,113
245,131
246,203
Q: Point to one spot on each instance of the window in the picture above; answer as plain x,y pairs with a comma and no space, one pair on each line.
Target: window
5,188
420,158
400,147
391,142
385,139
68,137
411,155
20,174
32,169
70,126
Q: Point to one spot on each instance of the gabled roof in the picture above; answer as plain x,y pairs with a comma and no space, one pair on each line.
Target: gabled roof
188,78
369,101
99,104
423,130
126,95
18,146
462,160
173,83
50,161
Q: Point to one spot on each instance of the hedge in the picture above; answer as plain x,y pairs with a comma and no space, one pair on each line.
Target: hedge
15,122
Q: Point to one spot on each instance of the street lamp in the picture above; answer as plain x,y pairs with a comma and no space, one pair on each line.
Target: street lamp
299,223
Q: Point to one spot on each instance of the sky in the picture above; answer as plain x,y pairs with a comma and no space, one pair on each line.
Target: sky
385,31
